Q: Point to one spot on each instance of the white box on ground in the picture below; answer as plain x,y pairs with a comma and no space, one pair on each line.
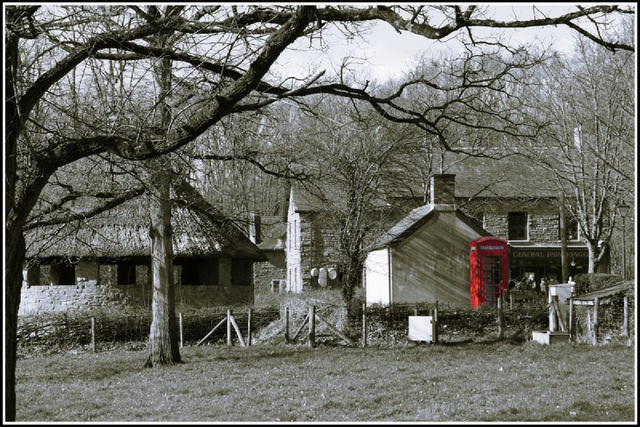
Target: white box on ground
421,328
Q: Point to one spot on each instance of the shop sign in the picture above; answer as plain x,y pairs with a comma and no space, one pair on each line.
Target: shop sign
553,253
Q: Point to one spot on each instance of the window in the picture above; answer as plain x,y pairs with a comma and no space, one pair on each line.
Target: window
33,275
517,225
278,285
571,225
63,274
126,273
189,273
241,272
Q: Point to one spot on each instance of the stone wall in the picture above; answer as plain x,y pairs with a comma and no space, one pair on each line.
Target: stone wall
266,272
61,298
96,286
542,219
319,246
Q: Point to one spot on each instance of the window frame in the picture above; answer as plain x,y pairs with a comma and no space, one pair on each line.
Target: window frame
511,225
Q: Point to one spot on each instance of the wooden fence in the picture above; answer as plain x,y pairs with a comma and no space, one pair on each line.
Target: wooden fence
362,325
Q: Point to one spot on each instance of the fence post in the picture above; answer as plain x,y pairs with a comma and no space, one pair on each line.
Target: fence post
364,324
312,326
93,334
625,316
249,316
500,318
180,322
286,324
229,336
392,340
435,319
570,327
595,321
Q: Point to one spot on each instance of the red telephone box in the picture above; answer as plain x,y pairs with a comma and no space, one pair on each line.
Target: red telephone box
489,264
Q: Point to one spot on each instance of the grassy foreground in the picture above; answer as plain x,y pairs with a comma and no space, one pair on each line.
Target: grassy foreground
470,382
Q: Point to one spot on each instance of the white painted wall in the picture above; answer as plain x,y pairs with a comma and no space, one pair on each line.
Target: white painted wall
293,254
376,275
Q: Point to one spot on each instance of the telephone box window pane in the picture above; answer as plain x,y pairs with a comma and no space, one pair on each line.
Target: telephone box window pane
492,270
517,225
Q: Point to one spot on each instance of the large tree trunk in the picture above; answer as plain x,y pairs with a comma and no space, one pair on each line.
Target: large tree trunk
163,337
15,258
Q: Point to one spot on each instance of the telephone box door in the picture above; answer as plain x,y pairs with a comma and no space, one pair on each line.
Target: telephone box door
489,270
491,279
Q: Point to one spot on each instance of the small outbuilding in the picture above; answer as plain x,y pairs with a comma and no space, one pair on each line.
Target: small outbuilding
425,256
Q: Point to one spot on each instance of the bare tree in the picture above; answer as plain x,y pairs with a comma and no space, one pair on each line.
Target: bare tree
163,335
588,148
352,159
225,56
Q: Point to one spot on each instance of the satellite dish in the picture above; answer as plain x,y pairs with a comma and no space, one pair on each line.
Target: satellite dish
322,277
314,272
333,274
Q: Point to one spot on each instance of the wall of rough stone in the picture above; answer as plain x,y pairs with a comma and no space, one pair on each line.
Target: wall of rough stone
96,286
542,218
61,298
319,247
266,272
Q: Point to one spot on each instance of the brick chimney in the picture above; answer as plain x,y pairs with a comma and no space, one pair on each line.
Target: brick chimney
443,190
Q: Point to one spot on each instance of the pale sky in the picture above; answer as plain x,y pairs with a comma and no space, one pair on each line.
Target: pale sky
389,54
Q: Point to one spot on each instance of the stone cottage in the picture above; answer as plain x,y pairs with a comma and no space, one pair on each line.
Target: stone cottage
311,243
105,260
517,201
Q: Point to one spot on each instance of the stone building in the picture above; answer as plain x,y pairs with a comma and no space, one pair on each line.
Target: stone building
311,242
105,260
515,200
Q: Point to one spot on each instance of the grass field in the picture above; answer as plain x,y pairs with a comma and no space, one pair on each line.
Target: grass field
469,382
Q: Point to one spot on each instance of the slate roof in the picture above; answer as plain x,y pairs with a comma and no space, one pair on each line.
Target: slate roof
512,176
413,221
